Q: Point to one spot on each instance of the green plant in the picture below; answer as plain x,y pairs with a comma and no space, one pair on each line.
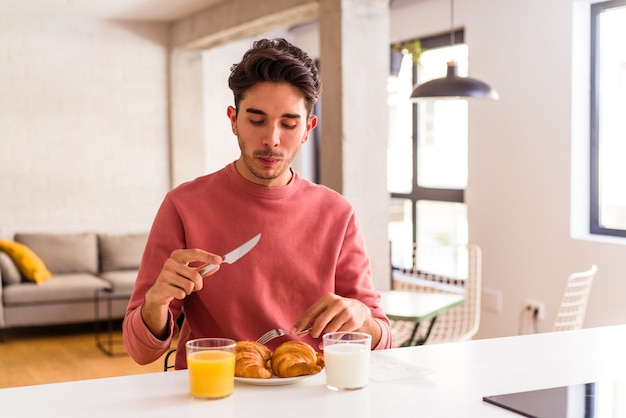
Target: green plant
410,47
443,238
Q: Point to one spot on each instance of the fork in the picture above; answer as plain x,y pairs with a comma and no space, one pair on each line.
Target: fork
277,332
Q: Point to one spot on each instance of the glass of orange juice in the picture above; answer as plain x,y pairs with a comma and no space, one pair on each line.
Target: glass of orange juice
211,365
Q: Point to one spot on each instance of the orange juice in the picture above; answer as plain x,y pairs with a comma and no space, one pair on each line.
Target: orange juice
211,374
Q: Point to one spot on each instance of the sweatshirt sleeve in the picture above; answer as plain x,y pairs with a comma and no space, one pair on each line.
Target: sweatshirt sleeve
164,237
139,342
385,336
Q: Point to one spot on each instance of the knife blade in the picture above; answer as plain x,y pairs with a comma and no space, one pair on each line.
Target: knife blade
235,254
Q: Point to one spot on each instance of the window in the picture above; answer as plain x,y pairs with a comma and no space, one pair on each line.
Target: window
427,155
608,122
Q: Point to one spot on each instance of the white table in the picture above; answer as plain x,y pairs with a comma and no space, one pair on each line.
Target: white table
414,306
440,380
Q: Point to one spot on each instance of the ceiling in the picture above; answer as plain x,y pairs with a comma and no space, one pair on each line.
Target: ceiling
152,10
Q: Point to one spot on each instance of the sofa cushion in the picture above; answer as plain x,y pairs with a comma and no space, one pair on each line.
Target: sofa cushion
9,271
64,253
60,288
121,252
121,280
30,265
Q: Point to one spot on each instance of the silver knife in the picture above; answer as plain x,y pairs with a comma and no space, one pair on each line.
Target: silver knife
234,255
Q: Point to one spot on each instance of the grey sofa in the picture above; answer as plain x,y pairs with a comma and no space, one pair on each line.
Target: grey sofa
80,265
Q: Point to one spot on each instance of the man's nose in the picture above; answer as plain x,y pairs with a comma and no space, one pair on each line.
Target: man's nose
272,136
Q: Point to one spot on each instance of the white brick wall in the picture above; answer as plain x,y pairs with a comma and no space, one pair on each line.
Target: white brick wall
83,125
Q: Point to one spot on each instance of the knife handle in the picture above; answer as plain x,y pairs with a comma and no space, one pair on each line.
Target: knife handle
208,269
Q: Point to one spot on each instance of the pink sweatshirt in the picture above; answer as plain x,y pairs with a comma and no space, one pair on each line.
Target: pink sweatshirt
311,244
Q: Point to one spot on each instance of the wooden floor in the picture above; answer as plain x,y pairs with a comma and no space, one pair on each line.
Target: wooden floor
32,356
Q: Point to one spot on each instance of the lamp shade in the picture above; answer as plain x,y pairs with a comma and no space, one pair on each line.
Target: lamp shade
453,87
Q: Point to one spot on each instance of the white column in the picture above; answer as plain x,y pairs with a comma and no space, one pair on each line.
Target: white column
187,142
354,63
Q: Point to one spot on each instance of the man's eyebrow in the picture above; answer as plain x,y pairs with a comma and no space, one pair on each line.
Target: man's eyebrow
260,112
255,111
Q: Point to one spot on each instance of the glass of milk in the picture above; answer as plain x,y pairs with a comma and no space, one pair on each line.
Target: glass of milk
347,360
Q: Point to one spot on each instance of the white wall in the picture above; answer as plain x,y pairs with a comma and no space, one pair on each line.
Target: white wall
519,192
83,125
83,139
221,144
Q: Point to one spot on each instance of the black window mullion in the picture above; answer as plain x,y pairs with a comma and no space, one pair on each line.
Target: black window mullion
594,210
427,193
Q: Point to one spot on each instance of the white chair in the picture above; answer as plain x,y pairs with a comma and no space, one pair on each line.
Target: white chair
443,269
571,313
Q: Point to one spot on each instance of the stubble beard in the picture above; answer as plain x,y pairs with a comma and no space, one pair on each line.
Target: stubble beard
285,163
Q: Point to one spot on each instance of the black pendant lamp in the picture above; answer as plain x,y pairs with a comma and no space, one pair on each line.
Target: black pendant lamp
452,86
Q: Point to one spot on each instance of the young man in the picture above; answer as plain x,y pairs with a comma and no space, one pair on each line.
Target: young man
310,268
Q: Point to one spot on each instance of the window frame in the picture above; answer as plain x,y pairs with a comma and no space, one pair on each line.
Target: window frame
427,193
595,226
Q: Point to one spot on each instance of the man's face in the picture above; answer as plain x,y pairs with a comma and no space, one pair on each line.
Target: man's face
271,124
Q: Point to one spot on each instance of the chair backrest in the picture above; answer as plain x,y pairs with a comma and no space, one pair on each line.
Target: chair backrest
571,313
463,275
166,360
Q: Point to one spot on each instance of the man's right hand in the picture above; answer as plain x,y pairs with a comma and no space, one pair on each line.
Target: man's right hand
176,280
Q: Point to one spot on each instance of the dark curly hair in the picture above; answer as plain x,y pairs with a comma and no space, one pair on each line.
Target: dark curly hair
276,60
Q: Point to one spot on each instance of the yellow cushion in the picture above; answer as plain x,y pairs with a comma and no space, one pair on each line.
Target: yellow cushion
29,264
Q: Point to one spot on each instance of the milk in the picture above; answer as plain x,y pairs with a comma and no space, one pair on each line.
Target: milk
347,366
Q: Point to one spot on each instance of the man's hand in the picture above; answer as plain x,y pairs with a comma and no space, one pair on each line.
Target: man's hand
175,281
333,313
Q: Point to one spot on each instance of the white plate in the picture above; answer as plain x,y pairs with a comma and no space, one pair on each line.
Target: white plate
272,381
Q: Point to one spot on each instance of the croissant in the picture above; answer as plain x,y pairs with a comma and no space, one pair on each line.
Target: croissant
252,360
295,358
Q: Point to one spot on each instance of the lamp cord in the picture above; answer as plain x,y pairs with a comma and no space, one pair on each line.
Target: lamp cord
451,22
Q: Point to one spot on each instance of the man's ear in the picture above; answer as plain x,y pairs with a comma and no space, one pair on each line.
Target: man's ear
231,112
310,125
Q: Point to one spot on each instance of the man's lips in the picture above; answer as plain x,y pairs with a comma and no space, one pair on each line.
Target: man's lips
268,160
